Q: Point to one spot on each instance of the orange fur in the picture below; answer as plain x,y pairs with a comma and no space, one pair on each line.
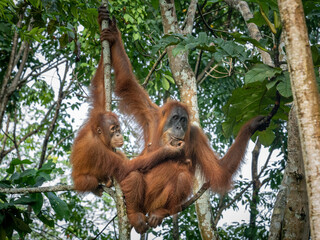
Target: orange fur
164,187
94,158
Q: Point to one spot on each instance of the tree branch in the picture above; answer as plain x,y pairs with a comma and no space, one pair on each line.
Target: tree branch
144,84
254,31
202,76
54,120
189,20
37,189
195,197
57,188
4,153
45,70
58,144
205,23
196,69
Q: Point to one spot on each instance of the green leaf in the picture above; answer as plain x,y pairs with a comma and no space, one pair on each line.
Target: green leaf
16,161
203,38
169,78
257,19
155,4
128,18
63,40
52,26
48,167
266,137
48,222
19,224
227,128
136,36
178,49
244,39
271,84
28,172
35,3
284,87
260,72
74,11
59,206
165,84
24,200
38,202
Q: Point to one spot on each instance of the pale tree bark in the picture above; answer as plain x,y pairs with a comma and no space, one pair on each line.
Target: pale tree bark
243,8
306,99
124,225
290,218
186,81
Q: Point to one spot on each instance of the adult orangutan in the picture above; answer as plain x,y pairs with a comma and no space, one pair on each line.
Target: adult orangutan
162,189
94,157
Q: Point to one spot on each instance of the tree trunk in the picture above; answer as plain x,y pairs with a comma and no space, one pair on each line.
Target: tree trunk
306,99
293,222
186,81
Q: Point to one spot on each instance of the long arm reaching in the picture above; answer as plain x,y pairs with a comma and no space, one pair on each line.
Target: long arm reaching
219,172
133,98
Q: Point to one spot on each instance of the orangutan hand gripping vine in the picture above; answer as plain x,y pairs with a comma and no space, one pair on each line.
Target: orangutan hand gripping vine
94,157
161,190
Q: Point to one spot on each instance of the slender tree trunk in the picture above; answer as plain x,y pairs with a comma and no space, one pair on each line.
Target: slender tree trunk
186,81
255,189
290,218
306,99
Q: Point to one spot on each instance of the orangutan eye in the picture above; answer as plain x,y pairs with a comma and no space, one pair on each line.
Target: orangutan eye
175,117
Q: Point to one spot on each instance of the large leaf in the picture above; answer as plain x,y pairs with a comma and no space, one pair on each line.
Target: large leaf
284,86
165,84
260,72
59,206
15,162
20,225
266,137
45,220
38,202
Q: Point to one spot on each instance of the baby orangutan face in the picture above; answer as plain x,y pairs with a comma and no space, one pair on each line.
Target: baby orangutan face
116,136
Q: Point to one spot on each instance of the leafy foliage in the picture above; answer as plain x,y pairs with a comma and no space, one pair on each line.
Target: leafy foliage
45,107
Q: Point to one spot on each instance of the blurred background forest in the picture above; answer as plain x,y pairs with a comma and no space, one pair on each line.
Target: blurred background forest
49,51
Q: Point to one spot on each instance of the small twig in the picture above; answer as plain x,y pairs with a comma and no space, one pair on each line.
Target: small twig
5,152
55,117
104,227
276,106
205,23
58,144
196,69
15,138
201,77
218,215
195,197
144,84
